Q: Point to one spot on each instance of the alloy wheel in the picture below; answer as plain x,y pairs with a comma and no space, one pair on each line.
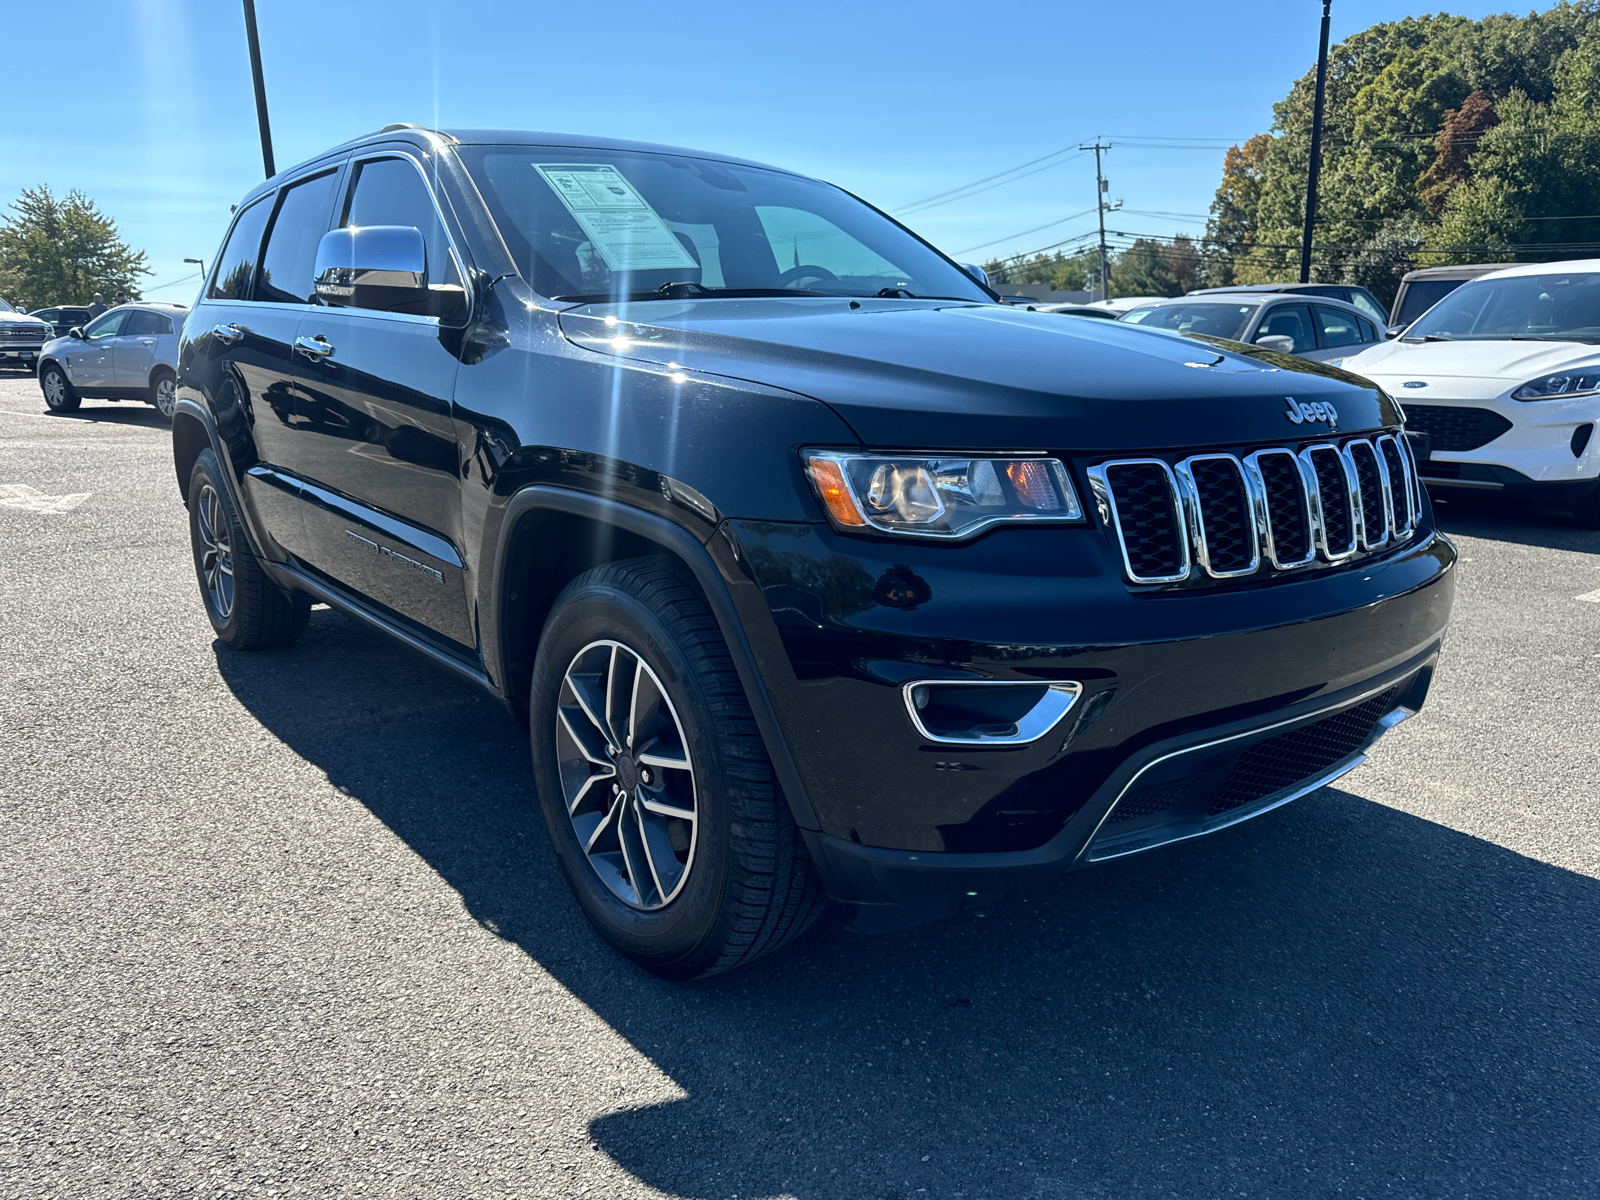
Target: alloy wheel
55,389
216,552
166,397
626,775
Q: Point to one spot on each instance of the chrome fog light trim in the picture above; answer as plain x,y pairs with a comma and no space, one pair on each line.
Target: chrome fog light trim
1045,715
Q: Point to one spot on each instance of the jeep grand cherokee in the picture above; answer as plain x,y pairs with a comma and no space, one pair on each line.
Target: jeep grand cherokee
812,570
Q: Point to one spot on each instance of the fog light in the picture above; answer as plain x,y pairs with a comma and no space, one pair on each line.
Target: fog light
989,712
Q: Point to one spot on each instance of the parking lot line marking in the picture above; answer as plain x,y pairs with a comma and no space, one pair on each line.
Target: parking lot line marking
1592,597
20,495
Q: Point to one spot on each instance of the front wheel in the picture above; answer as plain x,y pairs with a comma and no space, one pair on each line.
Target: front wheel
59,394
654,782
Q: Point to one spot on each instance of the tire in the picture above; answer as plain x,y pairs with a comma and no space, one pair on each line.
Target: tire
59,394
164,393
1587,510
728,879
248,610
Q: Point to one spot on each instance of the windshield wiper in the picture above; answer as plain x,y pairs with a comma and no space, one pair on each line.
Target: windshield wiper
686,291
1429,337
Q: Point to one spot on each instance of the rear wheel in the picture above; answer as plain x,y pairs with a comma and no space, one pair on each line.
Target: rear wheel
164,393
59,394
654,781
248,610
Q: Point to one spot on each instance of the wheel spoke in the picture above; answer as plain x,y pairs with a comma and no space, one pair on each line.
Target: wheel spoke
653,841
605,776
663,809
672,760
620,682
608,825
590,696
583,734
630,835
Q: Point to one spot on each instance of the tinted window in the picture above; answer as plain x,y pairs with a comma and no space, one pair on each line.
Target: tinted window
1338,328
1292,321
48,314
238,260
109,324
291,252
143,321
1213,320
390,191
1369,332
1363,300
612,223
1421,295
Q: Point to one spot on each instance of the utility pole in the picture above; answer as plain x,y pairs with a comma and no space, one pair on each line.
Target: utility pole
1101,187
261,87
1316,148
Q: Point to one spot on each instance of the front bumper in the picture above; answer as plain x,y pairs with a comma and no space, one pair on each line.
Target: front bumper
908,827
13,355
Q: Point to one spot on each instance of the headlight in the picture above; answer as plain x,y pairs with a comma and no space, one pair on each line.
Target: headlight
1554,387
940,497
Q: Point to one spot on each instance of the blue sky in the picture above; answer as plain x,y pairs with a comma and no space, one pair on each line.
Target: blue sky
146,105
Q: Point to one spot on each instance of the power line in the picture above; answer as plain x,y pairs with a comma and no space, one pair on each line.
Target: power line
1025,232
162,286
941,195
965,195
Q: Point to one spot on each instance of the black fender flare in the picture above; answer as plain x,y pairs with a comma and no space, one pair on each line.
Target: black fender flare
692,552
189,408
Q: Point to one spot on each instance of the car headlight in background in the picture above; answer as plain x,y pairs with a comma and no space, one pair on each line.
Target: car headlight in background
939,496
1559,386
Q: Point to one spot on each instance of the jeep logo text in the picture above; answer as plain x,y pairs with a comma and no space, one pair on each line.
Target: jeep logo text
1300,412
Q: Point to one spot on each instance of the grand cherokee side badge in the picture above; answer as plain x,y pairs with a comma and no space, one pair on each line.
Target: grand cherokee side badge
1414,383
1300,412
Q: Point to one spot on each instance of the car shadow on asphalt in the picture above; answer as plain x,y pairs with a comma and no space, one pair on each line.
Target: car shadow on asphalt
1498,519
115,414
1338,997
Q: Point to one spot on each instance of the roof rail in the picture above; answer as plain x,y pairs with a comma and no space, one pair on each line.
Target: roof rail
400,125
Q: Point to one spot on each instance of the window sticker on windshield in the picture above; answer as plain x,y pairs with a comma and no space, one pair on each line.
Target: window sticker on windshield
627,233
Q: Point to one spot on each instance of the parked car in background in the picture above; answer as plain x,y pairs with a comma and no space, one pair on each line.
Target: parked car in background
1079,310
1347,292
22,336
128,353
1503,378
65,318
648,484
1121,304
1421,290
1325,330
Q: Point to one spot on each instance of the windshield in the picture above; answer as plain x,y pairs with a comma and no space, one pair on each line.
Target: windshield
608,224
1215,320
1561,307
4,307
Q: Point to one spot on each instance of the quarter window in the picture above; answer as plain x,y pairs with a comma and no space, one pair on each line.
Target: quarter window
239,257
390,191
291,253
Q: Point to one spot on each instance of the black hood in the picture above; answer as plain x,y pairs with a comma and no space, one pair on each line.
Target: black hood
920,374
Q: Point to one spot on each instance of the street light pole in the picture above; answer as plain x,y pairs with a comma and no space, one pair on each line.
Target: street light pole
1100,209
201,263
1316,148
261,87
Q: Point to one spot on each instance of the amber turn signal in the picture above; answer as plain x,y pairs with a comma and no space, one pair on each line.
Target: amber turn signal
827,477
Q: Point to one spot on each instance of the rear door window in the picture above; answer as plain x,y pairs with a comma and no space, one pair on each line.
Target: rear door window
142,321
237,264
1292,321
1338,328
291,252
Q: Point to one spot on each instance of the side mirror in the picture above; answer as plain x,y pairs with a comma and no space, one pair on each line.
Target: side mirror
1281,342
976,272
373,266
77,332
1394,331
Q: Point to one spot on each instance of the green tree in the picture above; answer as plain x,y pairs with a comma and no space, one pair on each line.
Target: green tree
1231,229
62,251
1152,268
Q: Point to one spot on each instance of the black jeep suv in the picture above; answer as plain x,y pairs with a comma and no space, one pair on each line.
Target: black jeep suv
813,570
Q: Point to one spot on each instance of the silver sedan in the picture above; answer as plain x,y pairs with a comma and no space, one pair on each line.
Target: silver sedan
1309,326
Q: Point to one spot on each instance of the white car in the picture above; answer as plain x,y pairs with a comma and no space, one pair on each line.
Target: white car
1502,377
128,353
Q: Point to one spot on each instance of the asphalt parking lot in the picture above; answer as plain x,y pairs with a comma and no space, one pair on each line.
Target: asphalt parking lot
288,924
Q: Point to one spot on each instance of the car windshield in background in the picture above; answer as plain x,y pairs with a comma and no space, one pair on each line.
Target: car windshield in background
607,225
1213,320
4,307
1422,295
1557,307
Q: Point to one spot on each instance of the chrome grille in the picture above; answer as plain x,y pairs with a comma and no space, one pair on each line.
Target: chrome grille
1227,515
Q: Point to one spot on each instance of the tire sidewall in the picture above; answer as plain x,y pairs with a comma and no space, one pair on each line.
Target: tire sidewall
66,404
670,940
205,471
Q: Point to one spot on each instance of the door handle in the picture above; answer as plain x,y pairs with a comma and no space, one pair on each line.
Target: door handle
316,349
147,341
227,334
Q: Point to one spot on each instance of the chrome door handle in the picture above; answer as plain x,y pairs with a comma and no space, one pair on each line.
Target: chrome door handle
147,341
316,349
227,334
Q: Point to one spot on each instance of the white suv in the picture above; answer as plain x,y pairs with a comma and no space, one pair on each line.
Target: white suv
1502,380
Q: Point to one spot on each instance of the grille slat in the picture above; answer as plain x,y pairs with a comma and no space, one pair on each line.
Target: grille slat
1327,502
1455,429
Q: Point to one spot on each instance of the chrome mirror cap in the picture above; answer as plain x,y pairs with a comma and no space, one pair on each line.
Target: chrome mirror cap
385,256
